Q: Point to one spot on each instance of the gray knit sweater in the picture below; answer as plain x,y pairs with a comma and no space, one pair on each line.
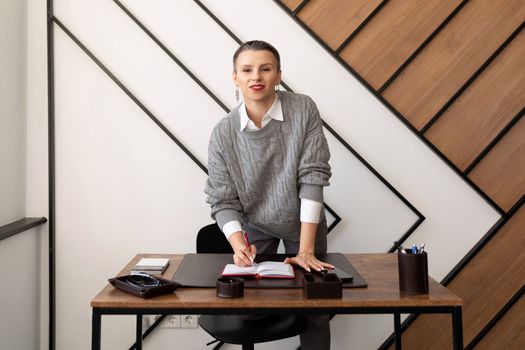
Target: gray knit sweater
259,177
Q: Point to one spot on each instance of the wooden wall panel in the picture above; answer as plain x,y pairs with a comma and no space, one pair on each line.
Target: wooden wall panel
452,57
393,35
483,110
509,332
497,271
501,174
485,284
335,20
292,4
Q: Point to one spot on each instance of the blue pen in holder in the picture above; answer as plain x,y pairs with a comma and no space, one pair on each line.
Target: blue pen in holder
413,272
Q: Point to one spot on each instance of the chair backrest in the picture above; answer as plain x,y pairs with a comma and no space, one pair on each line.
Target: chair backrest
210,239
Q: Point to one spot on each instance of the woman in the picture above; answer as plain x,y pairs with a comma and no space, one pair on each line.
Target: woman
268,164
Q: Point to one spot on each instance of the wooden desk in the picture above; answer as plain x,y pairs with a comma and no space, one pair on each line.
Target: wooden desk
381,297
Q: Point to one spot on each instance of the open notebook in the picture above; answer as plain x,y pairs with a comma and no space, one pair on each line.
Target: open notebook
265,269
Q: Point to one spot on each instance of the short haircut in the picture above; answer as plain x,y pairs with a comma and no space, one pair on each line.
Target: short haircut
256,45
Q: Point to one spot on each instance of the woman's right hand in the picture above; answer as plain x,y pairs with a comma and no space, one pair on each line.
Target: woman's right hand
242,255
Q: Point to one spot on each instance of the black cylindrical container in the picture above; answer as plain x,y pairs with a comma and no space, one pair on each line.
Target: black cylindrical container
413,272
230,287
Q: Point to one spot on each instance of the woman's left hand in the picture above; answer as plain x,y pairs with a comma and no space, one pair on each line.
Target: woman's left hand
308,261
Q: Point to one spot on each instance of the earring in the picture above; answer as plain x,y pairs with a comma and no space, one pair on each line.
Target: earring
277,88
237,93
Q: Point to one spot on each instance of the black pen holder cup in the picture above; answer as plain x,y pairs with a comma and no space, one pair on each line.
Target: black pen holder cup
413,272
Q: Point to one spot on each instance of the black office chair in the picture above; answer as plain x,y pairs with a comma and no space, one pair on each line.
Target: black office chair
236,329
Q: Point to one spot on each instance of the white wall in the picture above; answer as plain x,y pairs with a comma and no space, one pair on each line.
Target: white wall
19,254
20,292
12,110
36,145
124,187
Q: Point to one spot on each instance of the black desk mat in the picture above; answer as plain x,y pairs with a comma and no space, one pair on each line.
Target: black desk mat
202,270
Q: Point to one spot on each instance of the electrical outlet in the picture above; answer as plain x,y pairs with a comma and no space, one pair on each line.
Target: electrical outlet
171,321
148,320
188,321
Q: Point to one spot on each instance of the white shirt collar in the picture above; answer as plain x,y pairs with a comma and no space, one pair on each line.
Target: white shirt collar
275,112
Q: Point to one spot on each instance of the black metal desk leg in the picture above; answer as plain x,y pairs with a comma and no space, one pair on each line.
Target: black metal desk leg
95,329
139,333
457,328
397,330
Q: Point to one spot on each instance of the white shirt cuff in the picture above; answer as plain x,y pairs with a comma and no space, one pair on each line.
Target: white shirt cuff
310,211
231,227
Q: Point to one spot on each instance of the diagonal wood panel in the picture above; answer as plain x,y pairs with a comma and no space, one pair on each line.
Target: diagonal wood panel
393,35
473,120
509,333
335,20
485,285
501,174
292,4
483,110
452,57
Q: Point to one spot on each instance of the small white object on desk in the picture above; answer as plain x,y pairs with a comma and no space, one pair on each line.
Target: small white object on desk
153,266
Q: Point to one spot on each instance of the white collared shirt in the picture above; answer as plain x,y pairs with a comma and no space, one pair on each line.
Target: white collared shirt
275,112
310,210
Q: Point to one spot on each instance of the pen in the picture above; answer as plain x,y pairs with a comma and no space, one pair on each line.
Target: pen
422,249
247,244
414,249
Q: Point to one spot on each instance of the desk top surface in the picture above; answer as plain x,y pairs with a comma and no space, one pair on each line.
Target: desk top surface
379,270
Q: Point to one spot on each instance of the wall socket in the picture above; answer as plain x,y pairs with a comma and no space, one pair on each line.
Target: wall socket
188,321
171,321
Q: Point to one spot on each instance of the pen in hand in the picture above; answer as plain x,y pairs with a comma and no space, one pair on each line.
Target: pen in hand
248,246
